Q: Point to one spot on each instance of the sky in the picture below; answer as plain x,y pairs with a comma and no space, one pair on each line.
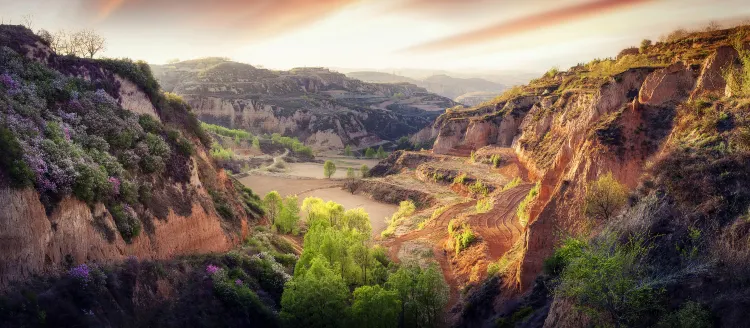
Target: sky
501,35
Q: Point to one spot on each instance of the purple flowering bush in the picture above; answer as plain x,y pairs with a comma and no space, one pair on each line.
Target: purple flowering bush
212,269
82,273
69,136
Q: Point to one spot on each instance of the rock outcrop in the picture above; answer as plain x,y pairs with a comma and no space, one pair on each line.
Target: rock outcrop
566,137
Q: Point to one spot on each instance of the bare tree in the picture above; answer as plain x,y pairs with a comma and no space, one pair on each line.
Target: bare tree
46,36
89,43
28,21
712,26
61,43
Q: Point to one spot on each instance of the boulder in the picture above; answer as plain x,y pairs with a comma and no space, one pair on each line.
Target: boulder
667,86
711,80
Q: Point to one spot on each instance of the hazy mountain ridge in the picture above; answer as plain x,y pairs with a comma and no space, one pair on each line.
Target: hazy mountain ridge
441,84
325,109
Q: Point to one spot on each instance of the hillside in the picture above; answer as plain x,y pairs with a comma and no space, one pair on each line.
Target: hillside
659,133
98,165
324,109
441,84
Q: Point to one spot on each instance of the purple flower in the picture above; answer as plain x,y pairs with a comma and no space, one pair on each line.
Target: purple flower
211,269
8,81
81,272
115,182
238,282
66,131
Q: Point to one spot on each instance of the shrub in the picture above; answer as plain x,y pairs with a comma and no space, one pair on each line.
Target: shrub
484,205
552,72
11,160
459,179
127,224
364,171
350,173
608,280
465,238
570,249
496,160
478,189
91,184
738,79
221,205
690,315
523,208
512,184
645,44
221,153
604,197
405,209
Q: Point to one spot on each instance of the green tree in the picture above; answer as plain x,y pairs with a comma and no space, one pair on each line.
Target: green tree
370,153
347,151
645,44
364,171
604,197
375,307
609,282
381,153
403,143
273,204
329,168
350,173
317,298
256,143
289,216
423,295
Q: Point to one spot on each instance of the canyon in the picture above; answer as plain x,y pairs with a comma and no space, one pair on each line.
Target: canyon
324,109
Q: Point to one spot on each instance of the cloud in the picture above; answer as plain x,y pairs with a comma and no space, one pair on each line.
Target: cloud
253,17
523,24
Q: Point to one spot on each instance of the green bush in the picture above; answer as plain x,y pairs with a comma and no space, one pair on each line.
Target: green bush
226,132
128,226
91,185
484,205
11,160
459,179
690,315
478,189
523,208
570,249
609,282
221,205
512,184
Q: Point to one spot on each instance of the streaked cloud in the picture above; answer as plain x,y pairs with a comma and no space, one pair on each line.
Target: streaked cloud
260,18
523,24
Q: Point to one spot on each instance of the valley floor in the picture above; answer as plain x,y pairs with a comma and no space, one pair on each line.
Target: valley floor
328,190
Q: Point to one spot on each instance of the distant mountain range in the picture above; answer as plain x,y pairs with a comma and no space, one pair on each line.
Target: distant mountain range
441,84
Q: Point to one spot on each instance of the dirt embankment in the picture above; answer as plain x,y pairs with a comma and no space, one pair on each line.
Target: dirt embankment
389,193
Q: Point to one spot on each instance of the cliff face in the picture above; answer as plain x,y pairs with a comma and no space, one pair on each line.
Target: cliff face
103,166
324,109
571,127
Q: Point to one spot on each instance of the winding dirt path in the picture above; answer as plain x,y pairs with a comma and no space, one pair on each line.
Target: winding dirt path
500,227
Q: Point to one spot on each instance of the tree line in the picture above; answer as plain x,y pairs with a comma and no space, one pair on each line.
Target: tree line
342,280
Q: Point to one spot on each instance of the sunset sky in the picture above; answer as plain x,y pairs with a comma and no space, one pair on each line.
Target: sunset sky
379,34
